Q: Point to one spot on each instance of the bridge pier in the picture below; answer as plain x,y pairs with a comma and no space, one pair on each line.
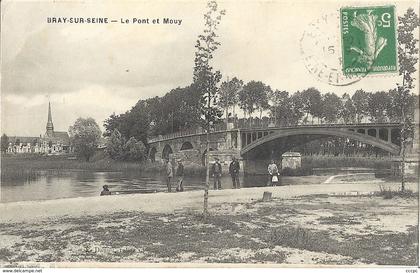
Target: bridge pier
389,135
238,140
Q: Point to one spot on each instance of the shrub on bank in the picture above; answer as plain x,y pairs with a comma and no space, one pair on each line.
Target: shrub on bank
388,193
120,149
305,170
343,161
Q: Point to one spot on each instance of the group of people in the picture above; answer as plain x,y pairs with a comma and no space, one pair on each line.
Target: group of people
216,173
170,175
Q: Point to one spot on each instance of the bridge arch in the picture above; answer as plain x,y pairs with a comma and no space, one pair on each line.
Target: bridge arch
186,146
167,150
321,133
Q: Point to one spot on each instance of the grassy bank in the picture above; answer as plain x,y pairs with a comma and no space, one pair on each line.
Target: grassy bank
312,229
28,167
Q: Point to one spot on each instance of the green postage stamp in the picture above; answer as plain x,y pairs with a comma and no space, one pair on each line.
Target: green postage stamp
368,37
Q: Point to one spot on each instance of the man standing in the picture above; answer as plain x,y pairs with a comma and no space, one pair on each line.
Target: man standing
180,175
216,170
234,173
169,174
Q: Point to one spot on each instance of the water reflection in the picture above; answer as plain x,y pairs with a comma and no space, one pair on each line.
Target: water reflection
73,183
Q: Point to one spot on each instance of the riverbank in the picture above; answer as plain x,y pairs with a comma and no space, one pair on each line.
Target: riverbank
337,224
153,203
64,162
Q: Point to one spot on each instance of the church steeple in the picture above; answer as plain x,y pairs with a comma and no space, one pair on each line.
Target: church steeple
50,126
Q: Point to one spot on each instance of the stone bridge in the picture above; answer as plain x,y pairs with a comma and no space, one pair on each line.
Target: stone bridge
251,143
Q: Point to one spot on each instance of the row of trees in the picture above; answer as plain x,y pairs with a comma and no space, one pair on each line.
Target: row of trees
309,105
180,108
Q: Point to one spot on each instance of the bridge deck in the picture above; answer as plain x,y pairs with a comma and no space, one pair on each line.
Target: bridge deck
199,131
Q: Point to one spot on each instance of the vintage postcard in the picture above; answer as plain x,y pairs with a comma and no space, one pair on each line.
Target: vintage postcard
209,134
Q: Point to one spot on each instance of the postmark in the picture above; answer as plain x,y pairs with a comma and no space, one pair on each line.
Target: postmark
368,39
320,47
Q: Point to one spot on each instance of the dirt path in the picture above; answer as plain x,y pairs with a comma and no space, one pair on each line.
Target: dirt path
168,202
354,176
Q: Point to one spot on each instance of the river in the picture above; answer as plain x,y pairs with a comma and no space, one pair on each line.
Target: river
53,184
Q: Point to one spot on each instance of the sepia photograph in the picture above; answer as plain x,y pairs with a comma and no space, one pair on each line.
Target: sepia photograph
210,133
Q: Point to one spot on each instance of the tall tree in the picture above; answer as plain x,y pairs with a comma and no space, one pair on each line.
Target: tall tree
228,95
254,96
360,100
177,110
4,143
280,100
155,115
247,100
312,102
398,102
138,122
286,109
331,107
263,94
112,123
85,135
348,112
378,105
206,79
297,101
115,145
407,58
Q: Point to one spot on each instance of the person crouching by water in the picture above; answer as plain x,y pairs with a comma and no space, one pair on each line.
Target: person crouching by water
180,175
234,173
105,190
169,175
216,171
273,171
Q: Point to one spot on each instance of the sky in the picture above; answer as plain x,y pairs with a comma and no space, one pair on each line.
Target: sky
94,70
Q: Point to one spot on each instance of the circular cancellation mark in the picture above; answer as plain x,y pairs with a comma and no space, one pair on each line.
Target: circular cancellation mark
320,47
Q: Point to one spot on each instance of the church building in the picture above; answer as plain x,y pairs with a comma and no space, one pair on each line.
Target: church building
53,142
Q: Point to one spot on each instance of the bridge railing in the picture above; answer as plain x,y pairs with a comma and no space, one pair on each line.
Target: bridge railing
264,123
188,132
